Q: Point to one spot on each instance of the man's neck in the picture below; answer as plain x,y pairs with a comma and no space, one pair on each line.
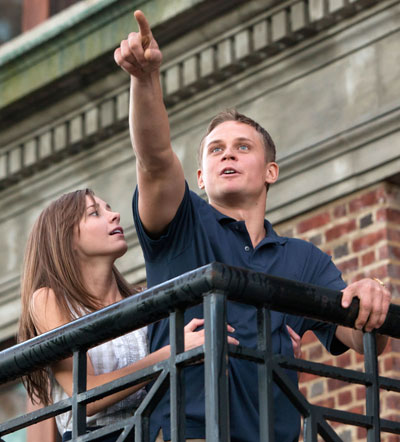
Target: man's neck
252,216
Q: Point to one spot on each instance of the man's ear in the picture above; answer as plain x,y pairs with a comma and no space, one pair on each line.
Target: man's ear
272,172
200,181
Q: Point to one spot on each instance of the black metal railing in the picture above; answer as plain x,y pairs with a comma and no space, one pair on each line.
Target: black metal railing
213,285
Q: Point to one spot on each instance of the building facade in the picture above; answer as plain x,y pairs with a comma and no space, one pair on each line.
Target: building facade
323,76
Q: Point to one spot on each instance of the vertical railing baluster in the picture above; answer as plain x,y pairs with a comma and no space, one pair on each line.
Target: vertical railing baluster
177,397
232,49
306,11
83,125
216,368
265,378
67,133
37,148
163,80
288,21
99,116
79,374
21,149
53,139
372,390
181,81
310,433
325,8
7,163
114,101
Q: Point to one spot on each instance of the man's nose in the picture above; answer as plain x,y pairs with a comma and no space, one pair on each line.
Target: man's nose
229,153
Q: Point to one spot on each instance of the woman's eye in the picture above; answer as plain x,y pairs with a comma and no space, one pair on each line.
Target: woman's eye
95,213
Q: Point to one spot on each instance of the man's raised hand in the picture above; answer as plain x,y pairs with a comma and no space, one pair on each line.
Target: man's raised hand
139,54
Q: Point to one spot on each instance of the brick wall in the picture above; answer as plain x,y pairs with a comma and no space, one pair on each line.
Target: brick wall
362,234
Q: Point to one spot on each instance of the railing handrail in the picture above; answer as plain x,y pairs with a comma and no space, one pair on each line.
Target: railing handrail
153,304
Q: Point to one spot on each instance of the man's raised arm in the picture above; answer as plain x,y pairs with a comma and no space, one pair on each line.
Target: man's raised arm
160,174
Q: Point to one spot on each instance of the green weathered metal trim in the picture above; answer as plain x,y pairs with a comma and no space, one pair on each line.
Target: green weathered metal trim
44,37
81,39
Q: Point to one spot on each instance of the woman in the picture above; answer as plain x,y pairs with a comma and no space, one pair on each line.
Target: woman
69,271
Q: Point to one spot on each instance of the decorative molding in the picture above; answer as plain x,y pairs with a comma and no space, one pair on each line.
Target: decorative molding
285,25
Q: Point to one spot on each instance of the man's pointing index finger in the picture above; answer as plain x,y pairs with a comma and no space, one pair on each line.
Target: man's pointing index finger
144,28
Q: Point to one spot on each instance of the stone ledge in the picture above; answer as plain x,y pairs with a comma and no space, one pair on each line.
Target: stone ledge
83,34
281,27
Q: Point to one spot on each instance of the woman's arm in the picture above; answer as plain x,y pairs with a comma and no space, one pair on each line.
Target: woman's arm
47,316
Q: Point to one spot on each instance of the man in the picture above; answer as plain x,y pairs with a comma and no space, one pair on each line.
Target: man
178,232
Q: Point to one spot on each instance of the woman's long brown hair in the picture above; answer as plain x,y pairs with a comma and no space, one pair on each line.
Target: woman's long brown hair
50,262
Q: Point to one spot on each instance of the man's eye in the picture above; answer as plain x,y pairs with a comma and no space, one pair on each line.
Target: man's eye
243,147
216,149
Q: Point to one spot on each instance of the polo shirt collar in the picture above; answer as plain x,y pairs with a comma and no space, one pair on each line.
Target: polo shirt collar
271,238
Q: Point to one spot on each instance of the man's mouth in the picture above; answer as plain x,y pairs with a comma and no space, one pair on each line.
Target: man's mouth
228,172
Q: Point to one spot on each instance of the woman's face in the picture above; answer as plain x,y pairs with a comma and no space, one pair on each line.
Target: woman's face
99,233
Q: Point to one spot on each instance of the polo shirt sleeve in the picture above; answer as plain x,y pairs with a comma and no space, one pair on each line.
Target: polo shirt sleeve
176,236
320,270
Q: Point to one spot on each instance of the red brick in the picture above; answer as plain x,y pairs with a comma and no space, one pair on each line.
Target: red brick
393,215
340,211
360,393
393,235
368,240
394,344
306,377
361,433
356,278
394,252
395,290
308,338
359,409
315,352
312,223
389,364
328,402
303,389
345,398
368,258
393,401
344,360
378,272
384,252
367,199
340,229
359,357
335,384
349,265
392,417
394,271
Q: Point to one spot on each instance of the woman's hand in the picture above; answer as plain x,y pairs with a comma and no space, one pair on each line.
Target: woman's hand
196,338
296,342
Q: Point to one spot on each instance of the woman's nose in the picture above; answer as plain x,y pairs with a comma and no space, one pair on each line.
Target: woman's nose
115,216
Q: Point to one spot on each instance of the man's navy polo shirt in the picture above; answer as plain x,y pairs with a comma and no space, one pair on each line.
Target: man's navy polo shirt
199,235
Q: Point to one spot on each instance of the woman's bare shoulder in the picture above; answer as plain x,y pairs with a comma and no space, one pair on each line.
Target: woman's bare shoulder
46,310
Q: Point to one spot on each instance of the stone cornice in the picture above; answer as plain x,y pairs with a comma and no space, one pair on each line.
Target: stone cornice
67,50
288,23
